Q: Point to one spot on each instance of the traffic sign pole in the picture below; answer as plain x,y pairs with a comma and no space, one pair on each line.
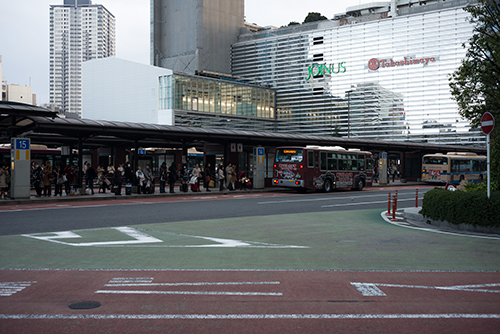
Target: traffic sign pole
487,125
488,161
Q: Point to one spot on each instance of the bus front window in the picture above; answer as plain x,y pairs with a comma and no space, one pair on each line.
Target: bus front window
289,155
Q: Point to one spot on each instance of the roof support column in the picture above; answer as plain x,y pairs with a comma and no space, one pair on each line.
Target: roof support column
136,155
80,162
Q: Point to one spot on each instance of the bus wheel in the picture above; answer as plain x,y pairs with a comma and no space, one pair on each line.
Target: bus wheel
462,178
359,185
301,190
328,185
481,178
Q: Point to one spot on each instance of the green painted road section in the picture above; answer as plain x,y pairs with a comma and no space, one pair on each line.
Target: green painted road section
341,240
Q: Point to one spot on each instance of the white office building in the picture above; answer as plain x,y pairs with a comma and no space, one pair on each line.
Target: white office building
79,31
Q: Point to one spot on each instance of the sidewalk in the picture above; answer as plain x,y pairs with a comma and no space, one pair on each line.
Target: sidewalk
213,191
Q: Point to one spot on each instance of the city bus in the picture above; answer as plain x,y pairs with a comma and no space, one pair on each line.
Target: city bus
322,168
453,167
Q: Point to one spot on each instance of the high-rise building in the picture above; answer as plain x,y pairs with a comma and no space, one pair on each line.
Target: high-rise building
79,31
193,36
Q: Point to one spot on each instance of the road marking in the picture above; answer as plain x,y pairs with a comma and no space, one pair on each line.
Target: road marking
144,240
368,289
139,238
220,293
190,284
371,289
434,230
243,316
7,289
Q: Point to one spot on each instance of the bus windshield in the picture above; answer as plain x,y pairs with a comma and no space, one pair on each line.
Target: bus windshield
436,160
289,155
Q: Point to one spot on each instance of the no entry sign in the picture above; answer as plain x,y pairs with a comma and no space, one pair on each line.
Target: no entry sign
487,123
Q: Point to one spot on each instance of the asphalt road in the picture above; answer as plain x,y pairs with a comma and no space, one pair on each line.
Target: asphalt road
50,217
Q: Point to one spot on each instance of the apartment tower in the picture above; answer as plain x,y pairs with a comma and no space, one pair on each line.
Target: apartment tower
79,31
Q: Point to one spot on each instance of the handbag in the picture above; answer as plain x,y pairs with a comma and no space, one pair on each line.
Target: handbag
211,183
207,178
193,180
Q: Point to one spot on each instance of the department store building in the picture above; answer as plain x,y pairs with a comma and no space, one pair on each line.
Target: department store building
376,72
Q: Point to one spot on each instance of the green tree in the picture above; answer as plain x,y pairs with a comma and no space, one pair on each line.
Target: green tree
475,85
313,17
293,23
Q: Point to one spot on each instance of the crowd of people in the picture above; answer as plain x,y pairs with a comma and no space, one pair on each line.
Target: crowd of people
48,180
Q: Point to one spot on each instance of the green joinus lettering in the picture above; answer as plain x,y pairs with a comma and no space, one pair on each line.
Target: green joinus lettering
317,70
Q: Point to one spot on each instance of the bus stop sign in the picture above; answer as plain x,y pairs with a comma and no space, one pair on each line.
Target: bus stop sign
487,123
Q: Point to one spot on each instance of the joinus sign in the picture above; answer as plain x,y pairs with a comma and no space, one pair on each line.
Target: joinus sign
318,70
374,63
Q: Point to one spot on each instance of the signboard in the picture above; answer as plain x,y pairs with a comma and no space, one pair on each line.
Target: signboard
375,63
487,123
318,70
20,148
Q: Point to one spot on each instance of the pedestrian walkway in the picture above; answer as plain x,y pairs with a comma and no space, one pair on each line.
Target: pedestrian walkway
109,195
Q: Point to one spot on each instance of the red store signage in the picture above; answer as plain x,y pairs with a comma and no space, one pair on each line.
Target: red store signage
374,63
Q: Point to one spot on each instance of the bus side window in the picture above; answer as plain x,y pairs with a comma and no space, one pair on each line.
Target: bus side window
310,159
369,165
323,161
316,157
332,164
361,165
454,166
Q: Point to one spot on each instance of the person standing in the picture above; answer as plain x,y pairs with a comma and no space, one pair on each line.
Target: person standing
163,177
139,176
220,174
208,176
48,178
70,175
230,173
91,175
197,174
149,182
59,172
38,179
172,176
4,172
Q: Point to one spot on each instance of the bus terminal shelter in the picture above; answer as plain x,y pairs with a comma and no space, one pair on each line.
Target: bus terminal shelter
44,127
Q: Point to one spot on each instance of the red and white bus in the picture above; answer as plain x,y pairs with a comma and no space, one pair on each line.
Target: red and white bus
322,168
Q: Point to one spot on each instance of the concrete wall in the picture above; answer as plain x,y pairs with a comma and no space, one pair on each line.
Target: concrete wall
195,35
120,90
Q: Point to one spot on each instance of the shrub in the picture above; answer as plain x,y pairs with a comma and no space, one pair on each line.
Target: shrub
457,207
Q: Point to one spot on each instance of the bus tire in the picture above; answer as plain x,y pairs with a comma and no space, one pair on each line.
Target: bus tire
462,178
328,186
301,190
359,185
481,178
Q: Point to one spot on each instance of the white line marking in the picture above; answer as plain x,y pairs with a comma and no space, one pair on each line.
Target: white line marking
244,316
190,284
7,289
387,219
140,238
371,289
144,240
221,293
368,289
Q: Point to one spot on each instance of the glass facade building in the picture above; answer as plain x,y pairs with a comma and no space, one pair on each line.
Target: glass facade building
205,102
384,79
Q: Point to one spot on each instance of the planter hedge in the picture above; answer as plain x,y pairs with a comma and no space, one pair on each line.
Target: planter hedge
460,207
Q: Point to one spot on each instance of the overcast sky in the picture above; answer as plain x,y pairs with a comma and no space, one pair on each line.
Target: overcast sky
24,34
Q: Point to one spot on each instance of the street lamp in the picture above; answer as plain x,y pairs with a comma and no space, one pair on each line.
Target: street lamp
348,92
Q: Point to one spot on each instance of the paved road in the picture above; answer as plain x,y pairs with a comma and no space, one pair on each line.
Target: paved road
47,217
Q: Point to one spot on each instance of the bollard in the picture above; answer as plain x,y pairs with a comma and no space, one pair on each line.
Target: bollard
396,202
394,205
416,199
389,206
